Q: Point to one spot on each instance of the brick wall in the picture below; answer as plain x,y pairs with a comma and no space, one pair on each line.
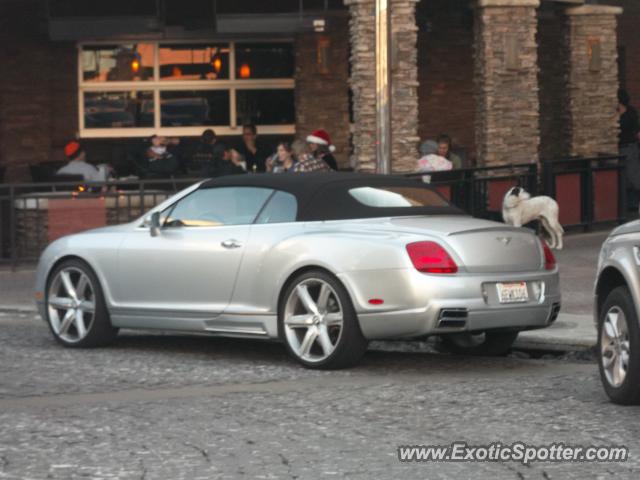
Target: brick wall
322,94
445,71
629,40
37,89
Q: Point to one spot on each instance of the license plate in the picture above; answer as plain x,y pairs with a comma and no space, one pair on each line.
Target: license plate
512,292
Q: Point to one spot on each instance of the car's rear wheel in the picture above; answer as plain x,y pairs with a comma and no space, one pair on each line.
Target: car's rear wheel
489,343
619,348
318,323
75,307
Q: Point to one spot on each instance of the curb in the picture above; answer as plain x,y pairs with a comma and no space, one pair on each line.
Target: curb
552,345
18,309
562,337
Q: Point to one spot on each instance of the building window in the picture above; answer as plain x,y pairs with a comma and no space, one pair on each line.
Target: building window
194,62
194,108
180,88
129,109
266,60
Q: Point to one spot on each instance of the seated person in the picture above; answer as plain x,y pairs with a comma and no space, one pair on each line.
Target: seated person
226,162
78,164
251,149
158,160
283,161
321,150
431,160
204,153
306,161
445,150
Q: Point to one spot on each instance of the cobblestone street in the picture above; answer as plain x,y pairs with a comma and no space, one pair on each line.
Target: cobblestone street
160,406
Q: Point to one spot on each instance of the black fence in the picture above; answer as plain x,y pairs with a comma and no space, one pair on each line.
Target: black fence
590,191
34,214
480,191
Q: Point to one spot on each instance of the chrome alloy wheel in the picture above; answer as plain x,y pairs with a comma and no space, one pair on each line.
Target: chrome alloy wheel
615,346
71,304
313,320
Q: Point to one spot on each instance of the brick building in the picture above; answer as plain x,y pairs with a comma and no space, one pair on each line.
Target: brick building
510,80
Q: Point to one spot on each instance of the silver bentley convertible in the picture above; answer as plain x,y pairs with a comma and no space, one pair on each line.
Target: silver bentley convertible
322,262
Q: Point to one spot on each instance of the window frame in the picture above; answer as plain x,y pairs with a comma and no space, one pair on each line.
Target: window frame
268,202
172,207
156,85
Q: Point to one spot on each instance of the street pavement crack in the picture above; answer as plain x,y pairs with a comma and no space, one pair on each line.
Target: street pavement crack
204,453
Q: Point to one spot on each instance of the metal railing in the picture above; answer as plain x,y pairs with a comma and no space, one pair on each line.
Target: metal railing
27,210
590,191
480,191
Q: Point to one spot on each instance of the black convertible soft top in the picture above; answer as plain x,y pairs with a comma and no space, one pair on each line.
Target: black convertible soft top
325,196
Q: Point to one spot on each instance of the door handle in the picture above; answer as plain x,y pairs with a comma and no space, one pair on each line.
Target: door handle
231,243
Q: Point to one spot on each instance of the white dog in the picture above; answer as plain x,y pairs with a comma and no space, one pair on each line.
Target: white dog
518,208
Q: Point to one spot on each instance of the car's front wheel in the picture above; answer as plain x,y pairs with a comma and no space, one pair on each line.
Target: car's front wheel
318,323
75,306
489,343
619,348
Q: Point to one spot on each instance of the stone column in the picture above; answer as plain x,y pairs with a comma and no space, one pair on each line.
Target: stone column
592,80
507,126
404,82
363,82
404,95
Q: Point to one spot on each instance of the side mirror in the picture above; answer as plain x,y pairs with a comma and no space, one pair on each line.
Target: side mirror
154,228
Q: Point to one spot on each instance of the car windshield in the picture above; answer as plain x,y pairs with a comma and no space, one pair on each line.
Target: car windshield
397,197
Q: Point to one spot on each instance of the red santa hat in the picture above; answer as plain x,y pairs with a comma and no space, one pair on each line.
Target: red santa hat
321,137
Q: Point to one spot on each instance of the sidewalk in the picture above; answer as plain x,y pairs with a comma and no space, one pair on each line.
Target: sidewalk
574,329
16,289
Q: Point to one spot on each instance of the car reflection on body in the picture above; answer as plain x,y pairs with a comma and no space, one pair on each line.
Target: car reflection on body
324,262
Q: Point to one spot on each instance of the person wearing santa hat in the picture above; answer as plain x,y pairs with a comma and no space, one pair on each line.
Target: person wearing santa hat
321,147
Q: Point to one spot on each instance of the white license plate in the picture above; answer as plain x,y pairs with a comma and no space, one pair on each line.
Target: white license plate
512,292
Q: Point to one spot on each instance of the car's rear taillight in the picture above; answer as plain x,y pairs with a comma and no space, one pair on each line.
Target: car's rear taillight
429,257
549,258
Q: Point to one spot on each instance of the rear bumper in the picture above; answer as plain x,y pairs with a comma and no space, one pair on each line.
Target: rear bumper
416,303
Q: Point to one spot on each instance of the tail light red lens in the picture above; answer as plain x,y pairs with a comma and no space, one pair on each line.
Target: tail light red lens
549,258
429,257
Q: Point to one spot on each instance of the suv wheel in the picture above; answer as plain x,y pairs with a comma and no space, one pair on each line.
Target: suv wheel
619,348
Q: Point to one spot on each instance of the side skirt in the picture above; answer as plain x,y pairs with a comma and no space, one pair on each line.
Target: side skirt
235,325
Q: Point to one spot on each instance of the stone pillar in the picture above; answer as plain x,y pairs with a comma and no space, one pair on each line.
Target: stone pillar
404,82
404,95
592,80
363,82
507,126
